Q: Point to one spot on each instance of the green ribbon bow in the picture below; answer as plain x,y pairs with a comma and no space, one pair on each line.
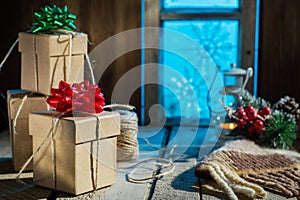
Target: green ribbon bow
50,18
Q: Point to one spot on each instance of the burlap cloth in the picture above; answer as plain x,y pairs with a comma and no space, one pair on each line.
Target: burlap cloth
241,166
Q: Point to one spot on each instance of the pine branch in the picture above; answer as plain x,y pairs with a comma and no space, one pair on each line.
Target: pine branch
280,131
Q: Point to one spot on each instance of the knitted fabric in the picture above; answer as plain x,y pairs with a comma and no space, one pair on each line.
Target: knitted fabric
241,166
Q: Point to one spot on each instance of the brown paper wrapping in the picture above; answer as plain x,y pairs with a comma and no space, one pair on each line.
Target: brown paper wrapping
45,60
75,138
21,141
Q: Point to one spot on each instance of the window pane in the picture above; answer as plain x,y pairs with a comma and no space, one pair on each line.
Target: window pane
220,39
201,3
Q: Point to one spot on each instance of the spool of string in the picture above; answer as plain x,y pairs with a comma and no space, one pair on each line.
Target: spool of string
127,140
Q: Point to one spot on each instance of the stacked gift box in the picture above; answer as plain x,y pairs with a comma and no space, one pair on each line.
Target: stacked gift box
45,60
73,153
20,104
82,159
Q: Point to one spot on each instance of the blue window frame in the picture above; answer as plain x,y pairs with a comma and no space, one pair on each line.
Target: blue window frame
200,3
219,26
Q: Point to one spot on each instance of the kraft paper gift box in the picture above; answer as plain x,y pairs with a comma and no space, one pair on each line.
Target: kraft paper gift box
74,160
20,139
45,60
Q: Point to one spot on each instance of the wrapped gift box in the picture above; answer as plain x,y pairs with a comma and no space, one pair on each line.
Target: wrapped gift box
45,60
74,160
21,141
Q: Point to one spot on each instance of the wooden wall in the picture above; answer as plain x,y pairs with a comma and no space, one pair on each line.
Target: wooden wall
279,49
100,19
279,46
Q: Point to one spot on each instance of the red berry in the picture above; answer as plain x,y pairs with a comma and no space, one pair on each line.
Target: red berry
265,111
239,109
246,118
258,124
252,114
248,108
241,124
241,114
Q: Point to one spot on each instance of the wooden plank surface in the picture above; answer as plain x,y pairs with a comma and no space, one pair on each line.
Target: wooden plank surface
100,19
122,189
279,49
181,183
192,142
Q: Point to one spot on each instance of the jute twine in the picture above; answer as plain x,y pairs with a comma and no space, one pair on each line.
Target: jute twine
127,140
128,147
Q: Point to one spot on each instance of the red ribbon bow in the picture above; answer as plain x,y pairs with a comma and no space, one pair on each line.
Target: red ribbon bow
82,97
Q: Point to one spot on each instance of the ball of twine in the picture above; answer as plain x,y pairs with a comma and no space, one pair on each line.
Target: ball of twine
127,142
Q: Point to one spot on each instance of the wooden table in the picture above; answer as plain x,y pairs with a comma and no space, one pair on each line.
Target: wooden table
188,143
153,143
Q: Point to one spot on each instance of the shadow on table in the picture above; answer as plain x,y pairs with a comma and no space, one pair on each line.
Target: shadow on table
185,181
11,190
6,166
